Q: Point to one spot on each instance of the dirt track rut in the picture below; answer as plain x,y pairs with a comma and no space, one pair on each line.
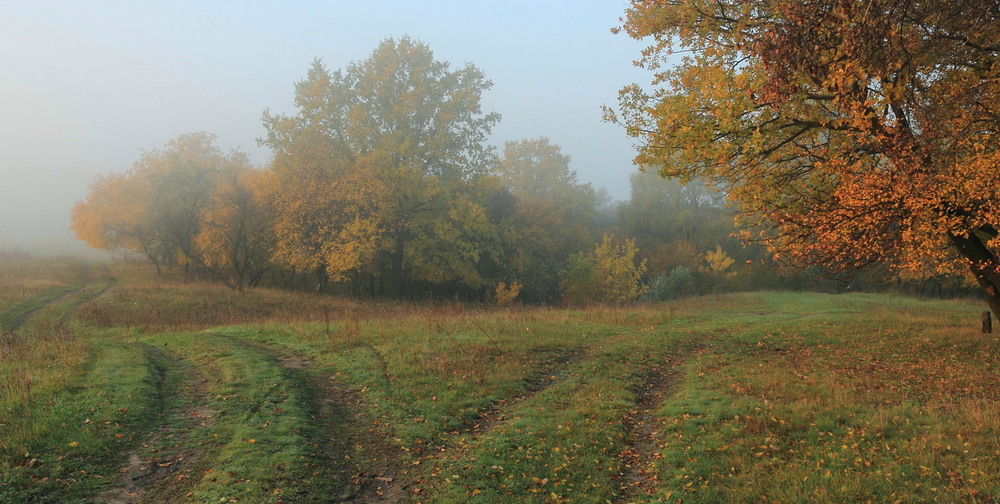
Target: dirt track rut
640,457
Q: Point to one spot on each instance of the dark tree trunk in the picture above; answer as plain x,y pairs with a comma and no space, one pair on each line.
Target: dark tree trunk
987,323
984,264
256,278
152,258
396,286
321,279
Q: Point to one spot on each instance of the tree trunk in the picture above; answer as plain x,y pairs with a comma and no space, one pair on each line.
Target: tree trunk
152,258
984,264
321,279
987,323
256,278
396,271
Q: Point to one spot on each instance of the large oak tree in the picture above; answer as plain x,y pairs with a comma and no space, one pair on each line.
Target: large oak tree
853,132
377,171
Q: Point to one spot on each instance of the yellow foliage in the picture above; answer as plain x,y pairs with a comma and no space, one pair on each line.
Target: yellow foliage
112,216
608,274
505,294
718,263
336,220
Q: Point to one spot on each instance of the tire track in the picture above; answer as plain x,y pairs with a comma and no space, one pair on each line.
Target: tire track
14,325
640,457
550,371
395,485
154,471
10,337
555,365
84,298
337,416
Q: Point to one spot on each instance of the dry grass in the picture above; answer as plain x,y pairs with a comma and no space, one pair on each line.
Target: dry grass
149,303
776,397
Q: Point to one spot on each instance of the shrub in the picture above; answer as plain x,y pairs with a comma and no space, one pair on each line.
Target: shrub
679,283
609,274
506,295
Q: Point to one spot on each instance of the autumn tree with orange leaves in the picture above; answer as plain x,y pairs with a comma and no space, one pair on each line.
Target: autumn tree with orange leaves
853,132
188,205
235,235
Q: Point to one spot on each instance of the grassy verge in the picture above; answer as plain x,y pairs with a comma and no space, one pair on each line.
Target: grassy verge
40,358
66,444
857,398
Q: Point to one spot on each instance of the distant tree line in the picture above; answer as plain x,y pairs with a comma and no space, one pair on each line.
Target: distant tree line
382,184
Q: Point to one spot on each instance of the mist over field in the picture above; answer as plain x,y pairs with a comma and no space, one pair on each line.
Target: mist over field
87,88
400,254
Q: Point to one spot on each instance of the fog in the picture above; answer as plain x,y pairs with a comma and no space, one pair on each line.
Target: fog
86,88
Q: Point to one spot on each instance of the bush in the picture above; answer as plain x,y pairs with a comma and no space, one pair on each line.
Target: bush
679,283
609,274
580,284
505,294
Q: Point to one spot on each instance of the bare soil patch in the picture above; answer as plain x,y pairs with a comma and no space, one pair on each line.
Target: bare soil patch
639,458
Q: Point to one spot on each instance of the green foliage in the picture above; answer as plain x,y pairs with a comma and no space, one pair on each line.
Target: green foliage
393,148
581,283
539,168
555,214
674,223
680,283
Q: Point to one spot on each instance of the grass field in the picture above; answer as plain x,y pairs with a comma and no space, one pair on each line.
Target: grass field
119,387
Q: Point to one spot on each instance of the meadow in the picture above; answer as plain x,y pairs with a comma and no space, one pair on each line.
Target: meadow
119,387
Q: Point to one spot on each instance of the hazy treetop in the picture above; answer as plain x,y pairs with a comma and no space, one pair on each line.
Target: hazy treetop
87,87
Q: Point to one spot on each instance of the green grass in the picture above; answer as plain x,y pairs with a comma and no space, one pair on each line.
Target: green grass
263,444
64,445
188,393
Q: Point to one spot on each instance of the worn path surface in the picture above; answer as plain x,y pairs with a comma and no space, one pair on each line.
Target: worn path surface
640,457
166,464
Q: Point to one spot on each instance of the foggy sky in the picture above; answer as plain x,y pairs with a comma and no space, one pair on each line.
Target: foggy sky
86,87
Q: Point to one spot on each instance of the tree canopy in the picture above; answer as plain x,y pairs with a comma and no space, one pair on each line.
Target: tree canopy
381,182
851,133
189,204
553,216
377,169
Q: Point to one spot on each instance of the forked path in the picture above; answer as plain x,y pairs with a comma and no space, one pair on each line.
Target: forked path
640,457
366,461
83,294
551,372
